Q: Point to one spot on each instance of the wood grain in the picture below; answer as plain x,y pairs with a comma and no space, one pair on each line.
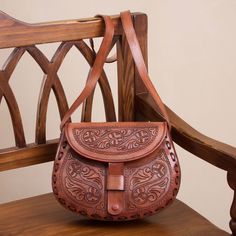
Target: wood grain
15,33
214,152
7,93
50,81
32,154
42,216
141,29
232,183
125,70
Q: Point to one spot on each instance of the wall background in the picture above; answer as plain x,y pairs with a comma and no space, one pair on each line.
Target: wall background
192,57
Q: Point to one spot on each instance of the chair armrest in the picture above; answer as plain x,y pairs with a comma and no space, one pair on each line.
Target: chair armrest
216,153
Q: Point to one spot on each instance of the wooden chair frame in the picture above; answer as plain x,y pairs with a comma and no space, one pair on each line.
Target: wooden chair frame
134,101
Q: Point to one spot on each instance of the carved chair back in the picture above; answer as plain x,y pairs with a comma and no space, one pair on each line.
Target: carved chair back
24,38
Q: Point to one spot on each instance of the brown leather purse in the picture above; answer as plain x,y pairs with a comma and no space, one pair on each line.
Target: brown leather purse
116,170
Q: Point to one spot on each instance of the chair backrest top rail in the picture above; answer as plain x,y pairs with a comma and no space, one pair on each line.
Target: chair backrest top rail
15,33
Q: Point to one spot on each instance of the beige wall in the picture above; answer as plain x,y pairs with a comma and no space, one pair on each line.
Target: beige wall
192,58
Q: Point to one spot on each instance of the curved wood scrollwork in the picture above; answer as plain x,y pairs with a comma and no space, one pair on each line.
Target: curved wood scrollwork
50,82
7,93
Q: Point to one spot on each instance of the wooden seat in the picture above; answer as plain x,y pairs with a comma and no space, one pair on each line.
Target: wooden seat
42,215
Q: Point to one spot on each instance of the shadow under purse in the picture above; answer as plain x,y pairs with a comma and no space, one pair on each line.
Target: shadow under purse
116,170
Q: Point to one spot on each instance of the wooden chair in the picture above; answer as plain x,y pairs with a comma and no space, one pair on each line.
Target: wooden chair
42,215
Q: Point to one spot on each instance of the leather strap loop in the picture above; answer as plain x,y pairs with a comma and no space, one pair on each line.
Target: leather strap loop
95,71
139,61
110,59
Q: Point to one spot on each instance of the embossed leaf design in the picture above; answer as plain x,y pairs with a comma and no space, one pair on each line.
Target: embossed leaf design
141,176
142,136
91,136
149,192
76,190
103,144
114,139
92,195
89,174
130,144
74,169
159,169
156,190
140,196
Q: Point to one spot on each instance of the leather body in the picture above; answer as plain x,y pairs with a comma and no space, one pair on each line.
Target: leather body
116,171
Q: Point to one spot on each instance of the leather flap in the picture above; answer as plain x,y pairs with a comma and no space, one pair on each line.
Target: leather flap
115,141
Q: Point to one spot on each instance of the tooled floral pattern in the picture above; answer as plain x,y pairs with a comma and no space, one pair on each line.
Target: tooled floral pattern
84,183
115,140
148,184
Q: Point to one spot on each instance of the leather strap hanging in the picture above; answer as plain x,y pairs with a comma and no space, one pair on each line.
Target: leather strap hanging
101,57
95,71
139,61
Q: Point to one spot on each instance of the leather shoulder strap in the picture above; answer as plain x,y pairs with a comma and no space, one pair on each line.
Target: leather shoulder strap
139,61
95,71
